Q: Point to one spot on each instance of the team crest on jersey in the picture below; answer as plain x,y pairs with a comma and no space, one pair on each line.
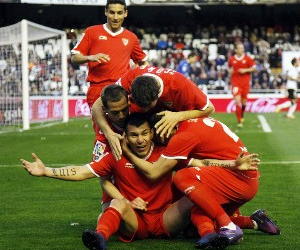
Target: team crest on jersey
125,41
102,37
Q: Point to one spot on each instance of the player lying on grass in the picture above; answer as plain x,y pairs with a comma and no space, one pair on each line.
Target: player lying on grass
217,192
141,208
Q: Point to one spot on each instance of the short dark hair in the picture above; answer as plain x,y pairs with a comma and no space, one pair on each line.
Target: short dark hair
112,93
192,54
153,119
294,60
122,2
144,90
136,119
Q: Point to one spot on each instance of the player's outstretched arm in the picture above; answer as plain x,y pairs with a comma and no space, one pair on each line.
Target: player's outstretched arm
69,173
243,162
112,137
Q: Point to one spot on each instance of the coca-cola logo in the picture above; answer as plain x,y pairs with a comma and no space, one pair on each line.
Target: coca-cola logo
260,105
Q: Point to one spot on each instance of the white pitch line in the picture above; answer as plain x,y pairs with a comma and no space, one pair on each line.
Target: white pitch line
264,124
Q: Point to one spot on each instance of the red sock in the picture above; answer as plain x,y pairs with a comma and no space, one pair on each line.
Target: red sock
186,181
203,223
244,222
109,222
238,113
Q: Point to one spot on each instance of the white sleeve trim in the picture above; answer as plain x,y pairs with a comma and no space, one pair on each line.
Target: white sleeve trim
174,157
190,162
75,52
207,102
92,170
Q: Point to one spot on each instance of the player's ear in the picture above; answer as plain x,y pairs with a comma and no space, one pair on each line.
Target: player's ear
126,13
152,133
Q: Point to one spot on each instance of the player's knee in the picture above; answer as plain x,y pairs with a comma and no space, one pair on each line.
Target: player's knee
180,177
119,205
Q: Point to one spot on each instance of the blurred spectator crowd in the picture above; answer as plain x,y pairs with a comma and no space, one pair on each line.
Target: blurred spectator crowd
213,45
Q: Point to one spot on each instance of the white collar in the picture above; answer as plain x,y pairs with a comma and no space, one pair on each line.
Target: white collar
112,33
150,152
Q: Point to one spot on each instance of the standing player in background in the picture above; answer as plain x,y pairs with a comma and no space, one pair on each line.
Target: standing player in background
155,89
184,66
240,67
292,78
107,49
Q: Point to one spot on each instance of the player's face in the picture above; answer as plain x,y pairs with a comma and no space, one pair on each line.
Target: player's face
118,111
240,50
140,139
115,14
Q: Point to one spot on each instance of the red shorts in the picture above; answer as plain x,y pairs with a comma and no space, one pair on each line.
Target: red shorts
94,92
241,89
230,188
149,226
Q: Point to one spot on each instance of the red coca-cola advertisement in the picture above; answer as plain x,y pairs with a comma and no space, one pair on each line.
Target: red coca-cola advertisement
49,109
262,104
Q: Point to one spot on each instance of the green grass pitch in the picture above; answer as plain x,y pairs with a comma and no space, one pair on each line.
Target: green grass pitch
42,213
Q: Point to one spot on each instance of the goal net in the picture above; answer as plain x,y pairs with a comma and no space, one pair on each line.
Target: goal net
33,75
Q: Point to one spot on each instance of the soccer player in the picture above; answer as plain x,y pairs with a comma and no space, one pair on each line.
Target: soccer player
107,48
154,89
217,192
240,67
293,77
141,208
184,66
115,105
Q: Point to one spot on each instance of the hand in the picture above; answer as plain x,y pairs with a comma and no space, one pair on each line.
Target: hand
246,162
99,58
126,150
243,71
139,203
114,143
36,168
167,123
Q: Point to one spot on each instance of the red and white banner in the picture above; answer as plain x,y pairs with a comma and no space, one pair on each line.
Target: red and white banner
52,109
262,104
47,108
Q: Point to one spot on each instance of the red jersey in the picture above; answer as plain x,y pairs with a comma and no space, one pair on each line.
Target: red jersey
120,46
132,183
237,63
205,138
177,93
101,143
